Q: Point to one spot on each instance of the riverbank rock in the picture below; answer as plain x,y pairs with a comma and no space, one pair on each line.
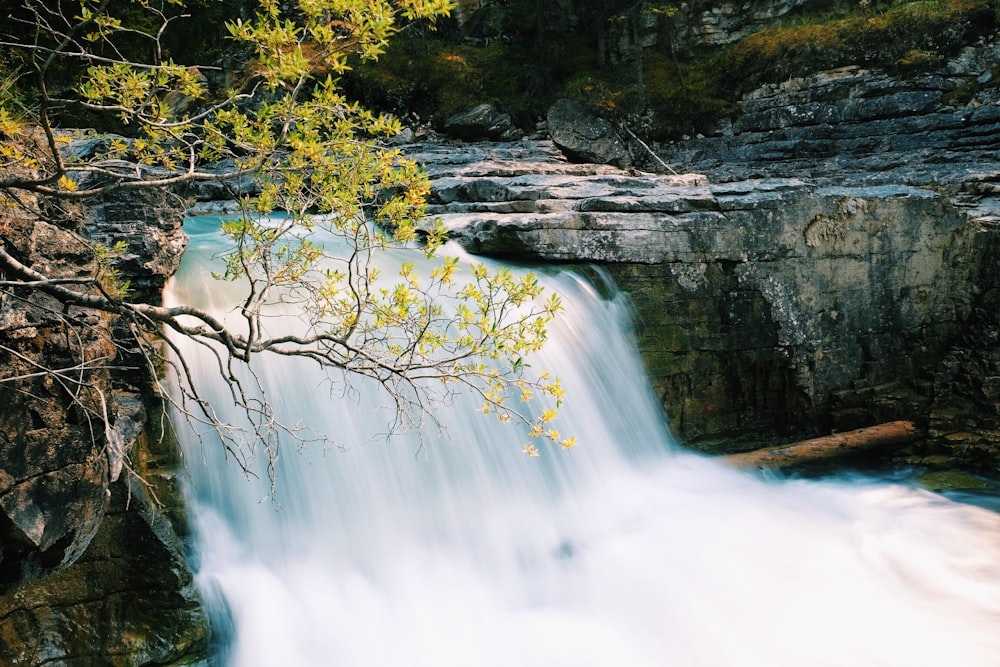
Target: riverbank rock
92,570
129,599
766,309
482,123
586,137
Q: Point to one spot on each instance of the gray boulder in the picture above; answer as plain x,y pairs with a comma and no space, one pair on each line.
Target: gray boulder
585,137
482,123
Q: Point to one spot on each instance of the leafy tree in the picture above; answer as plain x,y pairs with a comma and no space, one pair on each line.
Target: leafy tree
305,150
633,16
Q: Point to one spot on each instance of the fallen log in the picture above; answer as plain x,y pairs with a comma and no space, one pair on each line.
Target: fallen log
826,447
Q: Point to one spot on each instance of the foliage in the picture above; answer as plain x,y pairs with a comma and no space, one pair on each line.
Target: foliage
109,277
675,103
899,35
660,8
684,99
433,76
500,60
309,152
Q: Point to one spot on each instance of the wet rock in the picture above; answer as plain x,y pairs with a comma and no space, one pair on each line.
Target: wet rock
91,569
757,302
128,600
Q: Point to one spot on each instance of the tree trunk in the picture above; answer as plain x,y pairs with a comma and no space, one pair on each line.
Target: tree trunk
640,83
826,447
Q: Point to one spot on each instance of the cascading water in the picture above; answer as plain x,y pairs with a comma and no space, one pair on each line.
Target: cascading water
461,550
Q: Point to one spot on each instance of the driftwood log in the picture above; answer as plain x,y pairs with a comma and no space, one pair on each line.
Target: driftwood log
826,447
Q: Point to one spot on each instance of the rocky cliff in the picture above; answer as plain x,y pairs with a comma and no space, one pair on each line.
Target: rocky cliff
759,303
832,267
92,570
936,129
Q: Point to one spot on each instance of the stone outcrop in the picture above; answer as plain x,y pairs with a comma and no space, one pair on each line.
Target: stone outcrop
129,599
92,572
713,23
585,137
482,123
965,412
936,128
150,225
765,308
54,477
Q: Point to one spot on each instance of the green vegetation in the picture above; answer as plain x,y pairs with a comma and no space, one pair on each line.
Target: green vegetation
285,125
906,36
434,77
950,480
437,74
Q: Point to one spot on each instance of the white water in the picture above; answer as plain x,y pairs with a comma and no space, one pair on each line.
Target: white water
620,552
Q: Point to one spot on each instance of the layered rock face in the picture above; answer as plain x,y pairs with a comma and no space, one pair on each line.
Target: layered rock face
765,308
936,128
690,25
91,569
54,480
835,268
965,413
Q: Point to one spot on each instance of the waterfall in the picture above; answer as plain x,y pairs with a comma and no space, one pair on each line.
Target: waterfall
456,549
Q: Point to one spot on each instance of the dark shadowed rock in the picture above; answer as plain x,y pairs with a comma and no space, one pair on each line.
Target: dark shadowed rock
91,570
585,137
53,470
965,413
128,600
482,123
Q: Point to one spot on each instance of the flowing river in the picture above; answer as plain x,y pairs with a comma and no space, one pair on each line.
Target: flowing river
459,550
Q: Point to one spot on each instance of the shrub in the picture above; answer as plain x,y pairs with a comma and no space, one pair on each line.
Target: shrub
904,34
524,70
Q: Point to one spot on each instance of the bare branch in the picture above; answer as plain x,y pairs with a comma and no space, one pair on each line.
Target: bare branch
309,153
